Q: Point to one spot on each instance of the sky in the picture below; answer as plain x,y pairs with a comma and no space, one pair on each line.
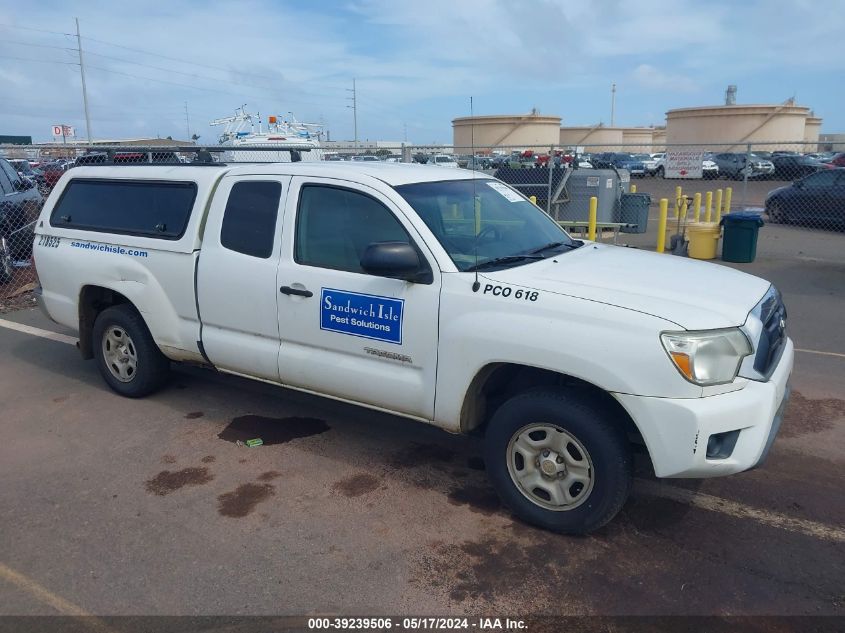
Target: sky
416,62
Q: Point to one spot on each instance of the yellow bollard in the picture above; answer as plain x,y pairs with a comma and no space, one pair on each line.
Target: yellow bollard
728,193
718,205
708,206
591,228
678,192
633,188
696,207
661,225
533,200
684,208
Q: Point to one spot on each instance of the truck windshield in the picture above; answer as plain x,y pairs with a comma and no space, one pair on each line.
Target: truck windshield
484,221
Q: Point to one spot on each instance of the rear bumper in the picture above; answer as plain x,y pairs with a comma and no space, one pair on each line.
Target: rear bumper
676,431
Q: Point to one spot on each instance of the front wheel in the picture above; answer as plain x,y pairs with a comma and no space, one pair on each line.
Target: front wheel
558,460
127,356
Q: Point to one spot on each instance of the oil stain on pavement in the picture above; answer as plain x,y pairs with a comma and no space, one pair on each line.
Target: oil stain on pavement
479,499
356,485
166,481
241,501
193,415
807,415
271,430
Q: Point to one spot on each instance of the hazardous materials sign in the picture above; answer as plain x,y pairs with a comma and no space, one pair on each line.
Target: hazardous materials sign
684,163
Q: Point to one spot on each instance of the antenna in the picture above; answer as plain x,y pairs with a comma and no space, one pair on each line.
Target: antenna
476,205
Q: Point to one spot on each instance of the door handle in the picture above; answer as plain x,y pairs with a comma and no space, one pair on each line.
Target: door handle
287,290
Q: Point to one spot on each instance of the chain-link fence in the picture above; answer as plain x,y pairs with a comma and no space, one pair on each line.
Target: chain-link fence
797,187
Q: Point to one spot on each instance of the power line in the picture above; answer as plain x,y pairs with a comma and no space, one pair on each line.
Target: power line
172,59
63,48
29,28
42,61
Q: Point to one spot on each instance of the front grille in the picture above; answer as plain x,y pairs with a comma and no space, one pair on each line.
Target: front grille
773,336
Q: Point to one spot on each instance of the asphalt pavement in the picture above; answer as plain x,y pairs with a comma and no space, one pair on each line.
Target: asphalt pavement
113,506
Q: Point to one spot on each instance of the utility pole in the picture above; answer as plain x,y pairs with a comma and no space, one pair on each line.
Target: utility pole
354,106
187,123
612,105
84,91
405,132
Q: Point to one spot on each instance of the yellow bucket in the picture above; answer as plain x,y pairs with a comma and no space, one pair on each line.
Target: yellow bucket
703,239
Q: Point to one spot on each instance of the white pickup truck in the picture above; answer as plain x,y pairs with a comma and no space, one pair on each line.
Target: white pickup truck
435,294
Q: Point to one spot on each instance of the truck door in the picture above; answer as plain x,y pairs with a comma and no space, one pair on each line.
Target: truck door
237,295
346,333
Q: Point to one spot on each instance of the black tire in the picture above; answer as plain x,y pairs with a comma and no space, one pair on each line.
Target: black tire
775,212
588,422
151,367
661,173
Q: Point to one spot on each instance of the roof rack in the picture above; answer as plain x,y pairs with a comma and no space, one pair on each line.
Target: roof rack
203,156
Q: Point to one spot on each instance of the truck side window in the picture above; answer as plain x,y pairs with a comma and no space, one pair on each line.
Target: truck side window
249,221
334,226
136,207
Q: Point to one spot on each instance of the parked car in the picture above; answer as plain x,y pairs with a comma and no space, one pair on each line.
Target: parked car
817,200
709,169
365,158
648,162
22,166
619,160
435,294
20,204
733,165
838,160
443,160
792,166
479,162
49,174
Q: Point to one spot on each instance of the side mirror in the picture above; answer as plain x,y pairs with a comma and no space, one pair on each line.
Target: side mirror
398,260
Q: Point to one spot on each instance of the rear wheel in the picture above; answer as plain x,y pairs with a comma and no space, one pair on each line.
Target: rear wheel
127,356
558,461
776,213
660,172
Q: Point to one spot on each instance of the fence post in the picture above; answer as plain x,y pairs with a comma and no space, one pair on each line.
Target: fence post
678,192
661,225
696,207
728,194
591,228
708,206
744,181
551,165
718,205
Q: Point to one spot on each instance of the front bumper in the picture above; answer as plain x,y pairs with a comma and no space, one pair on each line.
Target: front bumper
676,430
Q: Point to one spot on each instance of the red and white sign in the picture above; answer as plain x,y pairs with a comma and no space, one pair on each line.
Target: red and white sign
63,130
684,163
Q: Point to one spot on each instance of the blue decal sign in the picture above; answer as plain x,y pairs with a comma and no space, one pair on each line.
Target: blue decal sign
357,314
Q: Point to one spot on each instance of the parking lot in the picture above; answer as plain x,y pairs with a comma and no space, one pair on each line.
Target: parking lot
117,507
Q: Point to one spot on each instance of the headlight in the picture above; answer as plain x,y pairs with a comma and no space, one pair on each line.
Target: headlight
710,357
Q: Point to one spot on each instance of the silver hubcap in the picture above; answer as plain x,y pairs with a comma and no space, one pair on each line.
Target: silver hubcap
550,467
120,354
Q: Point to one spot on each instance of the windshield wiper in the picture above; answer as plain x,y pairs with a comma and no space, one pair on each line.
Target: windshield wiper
551,245
501,260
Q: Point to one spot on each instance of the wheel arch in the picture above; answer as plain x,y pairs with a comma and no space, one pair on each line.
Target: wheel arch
495,383
93,300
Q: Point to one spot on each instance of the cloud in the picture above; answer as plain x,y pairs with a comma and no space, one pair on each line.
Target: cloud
416,63
649,77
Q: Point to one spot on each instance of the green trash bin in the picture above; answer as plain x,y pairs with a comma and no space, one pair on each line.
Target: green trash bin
739,240
633,209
